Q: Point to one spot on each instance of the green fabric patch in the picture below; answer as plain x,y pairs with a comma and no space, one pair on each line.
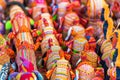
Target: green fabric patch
75,51
54,17
31,21
38,32
8,25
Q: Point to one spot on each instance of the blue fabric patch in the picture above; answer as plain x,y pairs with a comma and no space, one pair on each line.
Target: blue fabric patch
115,55
87,37
105,26
102,14
118,73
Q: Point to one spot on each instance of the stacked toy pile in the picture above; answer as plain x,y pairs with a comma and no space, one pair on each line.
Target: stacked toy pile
73,40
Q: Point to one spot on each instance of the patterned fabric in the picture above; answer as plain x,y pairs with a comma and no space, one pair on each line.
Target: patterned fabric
79,44
15,9
45,43
27,54
61,71
86,72
2,41
25,36
4,71
62,7
94,7
53,57
92,58
70,19
37,11
20,20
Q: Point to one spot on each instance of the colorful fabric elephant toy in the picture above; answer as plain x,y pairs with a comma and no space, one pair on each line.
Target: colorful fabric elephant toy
93,9
85,71
40,6
61,70
48,31
105,42
26,72
21,34
52,56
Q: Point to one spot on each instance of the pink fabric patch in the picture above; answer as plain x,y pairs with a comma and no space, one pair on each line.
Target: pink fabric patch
40,1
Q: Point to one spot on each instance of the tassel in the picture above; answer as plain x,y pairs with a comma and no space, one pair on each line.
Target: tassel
69,44
49,73
62,55
61,20
72,74
24,29
11,53
67,56
68,34
50,41
36,46
11,35
60,39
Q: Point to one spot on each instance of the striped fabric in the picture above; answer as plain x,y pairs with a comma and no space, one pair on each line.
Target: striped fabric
15,9
23,52
37,10
95,7
62,8
20,20
45,44
25,36
4,71
70,18
79,44
61,72
27,54
86,72
53,57
4,58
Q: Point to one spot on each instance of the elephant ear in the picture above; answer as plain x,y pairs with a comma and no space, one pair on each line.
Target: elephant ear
39,76
13,75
